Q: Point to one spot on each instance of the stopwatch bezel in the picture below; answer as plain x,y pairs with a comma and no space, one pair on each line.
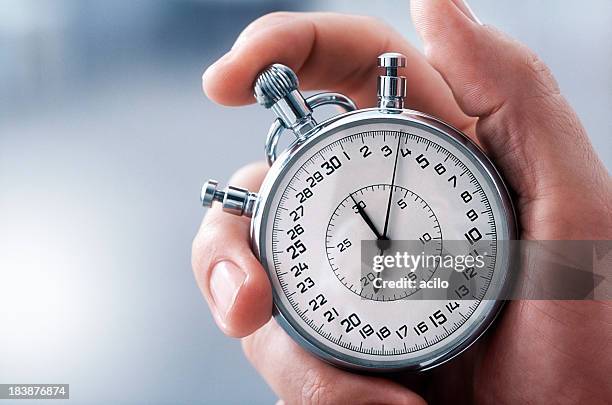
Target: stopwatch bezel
328,128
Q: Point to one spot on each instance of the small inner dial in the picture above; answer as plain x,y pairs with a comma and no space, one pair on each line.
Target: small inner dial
412,184
361,216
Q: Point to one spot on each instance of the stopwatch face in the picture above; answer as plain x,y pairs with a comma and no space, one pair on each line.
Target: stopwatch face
310,231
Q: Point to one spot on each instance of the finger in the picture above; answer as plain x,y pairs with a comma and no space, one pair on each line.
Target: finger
299,378
327,51
231,279
526,126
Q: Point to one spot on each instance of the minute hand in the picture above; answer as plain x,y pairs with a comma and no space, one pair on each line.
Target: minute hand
399,138
366,219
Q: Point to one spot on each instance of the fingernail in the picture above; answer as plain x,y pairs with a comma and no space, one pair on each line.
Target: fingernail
467,10
225,281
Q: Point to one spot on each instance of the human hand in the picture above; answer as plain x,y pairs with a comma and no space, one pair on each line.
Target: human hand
503,97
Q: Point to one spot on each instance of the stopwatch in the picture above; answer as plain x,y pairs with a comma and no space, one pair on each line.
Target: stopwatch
381,174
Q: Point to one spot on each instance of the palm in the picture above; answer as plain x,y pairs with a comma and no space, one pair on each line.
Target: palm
535,348
539,347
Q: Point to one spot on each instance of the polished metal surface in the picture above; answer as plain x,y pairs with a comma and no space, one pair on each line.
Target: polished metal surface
437,128
391,61
294,113
391,87
235,200
276,88
338,99
312,102
274,83
209,192
238,201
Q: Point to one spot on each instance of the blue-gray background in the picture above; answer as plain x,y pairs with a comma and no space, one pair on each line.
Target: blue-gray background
105,139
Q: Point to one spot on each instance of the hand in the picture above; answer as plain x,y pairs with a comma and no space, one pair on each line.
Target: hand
505,99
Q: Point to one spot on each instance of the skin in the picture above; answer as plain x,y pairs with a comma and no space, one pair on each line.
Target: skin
500,94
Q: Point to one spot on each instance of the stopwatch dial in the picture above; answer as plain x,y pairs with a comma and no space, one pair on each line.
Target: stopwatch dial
360,217
343,189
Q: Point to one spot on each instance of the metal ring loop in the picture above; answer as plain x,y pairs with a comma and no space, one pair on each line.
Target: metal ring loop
272,140
338,99
313,102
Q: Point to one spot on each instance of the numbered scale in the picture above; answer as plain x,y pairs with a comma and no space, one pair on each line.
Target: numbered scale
383,174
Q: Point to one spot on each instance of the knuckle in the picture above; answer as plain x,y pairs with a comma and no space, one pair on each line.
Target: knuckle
269,19
376,26
205,244
540,73
373,20
315,388
201,257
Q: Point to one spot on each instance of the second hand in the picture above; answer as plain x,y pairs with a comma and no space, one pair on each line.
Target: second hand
384,242
399,138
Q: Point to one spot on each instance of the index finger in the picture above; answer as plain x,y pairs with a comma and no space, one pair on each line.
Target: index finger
328,51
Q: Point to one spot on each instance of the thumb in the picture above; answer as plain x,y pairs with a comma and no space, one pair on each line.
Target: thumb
524,123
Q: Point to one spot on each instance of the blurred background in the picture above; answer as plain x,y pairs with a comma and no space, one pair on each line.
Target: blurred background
105,140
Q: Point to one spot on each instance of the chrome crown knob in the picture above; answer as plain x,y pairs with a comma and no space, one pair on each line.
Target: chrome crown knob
275,83
235,200
391,60
391,87
209,193
277,88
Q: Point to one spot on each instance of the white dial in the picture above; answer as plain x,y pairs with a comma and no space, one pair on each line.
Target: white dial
386,180
361,215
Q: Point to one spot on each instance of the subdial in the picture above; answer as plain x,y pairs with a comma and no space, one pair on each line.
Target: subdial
377,266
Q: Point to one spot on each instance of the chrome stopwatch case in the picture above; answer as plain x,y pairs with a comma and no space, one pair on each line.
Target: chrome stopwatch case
384,175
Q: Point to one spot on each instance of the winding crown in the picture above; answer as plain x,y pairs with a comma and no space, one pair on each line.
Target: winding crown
275,83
